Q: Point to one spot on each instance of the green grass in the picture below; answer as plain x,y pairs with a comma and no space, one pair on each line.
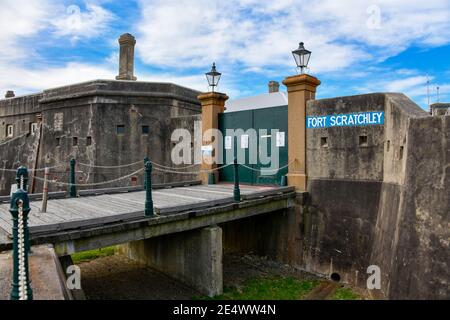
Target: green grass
344,293
273,288
92,254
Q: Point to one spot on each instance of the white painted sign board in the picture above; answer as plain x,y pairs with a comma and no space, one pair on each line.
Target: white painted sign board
280,141
244,141
228,142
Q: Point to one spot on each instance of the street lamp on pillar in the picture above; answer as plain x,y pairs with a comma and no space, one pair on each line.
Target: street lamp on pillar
213,77
301,88
301,56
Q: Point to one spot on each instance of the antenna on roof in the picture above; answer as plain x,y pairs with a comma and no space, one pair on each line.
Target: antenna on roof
437,89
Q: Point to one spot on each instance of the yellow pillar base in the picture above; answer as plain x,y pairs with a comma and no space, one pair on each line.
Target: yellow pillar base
213,103
297,180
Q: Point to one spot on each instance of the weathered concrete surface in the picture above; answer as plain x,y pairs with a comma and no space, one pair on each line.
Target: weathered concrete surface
45,274
19,150
192,257
385,203
81,120
276,235
343,157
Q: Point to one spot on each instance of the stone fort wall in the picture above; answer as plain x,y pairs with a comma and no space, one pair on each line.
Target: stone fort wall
379,196
82,121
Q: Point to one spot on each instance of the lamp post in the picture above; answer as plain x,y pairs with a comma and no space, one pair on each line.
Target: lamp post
301,57
301,88
213,103
213,77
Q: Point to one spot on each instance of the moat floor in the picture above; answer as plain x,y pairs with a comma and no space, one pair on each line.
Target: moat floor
117,277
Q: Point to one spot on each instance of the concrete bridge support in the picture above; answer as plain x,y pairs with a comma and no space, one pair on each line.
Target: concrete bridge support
191,257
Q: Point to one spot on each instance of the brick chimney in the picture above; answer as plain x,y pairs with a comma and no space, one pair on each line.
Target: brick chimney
9,94
126,59
274,86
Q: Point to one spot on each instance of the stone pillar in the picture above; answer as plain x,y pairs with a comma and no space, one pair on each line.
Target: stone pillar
126,60
301,88
274,86
191,257
213,103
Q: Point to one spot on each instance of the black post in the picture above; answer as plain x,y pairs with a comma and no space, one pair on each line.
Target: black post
146,159
148,211
236,191
73,187
22,178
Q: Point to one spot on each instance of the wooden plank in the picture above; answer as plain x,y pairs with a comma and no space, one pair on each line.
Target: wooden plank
267,193
38,196
180,196
158,199
176,184
91,192
208,190
200,194
196,206
90,223
94,192
7,227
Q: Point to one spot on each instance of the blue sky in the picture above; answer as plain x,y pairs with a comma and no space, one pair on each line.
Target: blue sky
357,46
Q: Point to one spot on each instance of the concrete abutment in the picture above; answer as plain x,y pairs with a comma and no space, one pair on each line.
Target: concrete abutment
191,257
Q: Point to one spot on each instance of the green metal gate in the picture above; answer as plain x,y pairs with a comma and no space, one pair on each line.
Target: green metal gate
263,121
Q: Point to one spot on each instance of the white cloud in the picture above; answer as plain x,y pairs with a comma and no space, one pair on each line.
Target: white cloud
19,19
26,24
30,80
259,34
78,24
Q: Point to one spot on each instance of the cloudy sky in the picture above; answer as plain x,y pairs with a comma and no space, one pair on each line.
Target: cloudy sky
357,46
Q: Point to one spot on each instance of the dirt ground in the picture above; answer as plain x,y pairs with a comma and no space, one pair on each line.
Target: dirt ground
117,277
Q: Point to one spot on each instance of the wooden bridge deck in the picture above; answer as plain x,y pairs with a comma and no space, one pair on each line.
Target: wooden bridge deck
69,215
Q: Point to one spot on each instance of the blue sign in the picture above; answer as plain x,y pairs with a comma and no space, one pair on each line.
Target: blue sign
345,120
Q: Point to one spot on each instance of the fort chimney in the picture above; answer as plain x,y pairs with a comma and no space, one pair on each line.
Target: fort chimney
9,94
274,86
126,59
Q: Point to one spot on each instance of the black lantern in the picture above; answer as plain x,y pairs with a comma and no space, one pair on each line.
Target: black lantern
213,77
301,56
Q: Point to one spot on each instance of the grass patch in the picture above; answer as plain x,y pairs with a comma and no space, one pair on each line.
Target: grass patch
92,254
273,288
344,293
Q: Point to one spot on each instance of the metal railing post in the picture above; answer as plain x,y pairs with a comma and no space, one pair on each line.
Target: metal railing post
148,211
146,159
19,208
72,187
45,190
236,191
22,178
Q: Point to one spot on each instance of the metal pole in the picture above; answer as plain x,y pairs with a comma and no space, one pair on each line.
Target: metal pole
45,190
73,188
148,211
19,208
22,178
146,159
236,191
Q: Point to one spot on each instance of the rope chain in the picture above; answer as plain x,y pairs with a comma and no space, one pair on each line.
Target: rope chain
269,170
23,294
93,183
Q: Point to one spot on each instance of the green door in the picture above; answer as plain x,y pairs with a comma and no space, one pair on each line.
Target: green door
271,125
234,120
268,132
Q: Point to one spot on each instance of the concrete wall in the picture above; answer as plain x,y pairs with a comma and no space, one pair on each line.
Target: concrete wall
192,257
385,203
90,113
